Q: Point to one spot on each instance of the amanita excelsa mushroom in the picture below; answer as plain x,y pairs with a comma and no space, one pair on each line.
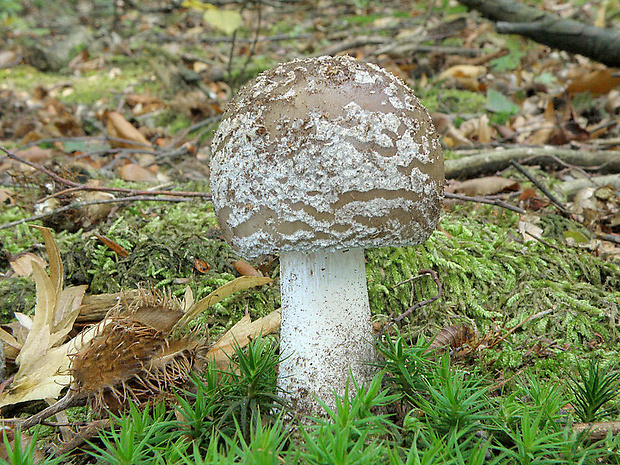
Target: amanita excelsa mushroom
316,160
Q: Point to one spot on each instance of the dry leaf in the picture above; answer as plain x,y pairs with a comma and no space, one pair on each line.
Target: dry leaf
9,58
463,71
201,266
484,130
131,172
118,127
597,82
6,196
22,263
466,75
44,359
484,186
240,335
245,269
244,282
227,21
529,231
35,154
119,249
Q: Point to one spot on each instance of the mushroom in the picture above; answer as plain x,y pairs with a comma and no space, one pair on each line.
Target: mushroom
318,159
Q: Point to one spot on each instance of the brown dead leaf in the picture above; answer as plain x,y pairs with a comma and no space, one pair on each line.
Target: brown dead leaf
131,172
119,249
601,15
541,136
528,229
612,102
454,337
463,71
141,104
530,201
455,138
22,263
484,186
240,335
93,214
44,355
484,130
193,309
9,58
441,121
35,154
201,266
118,127
245,269
6,196
466,75
597,82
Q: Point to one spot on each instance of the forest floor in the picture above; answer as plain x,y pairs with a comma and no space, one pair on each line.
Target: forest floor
125,100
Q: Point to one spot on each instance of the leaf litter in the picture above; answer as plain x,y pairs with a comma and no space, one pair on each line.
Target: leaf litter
137,353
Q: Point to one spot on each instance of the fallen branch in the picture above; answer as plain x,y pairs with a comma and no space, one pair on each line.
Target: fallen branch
511,17
597,430
570,188
496,160
83,187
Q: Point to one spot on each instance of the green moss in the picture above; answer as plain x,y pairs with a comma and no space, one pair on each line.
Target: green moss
490,277
87,88
16,295
17,238
452,100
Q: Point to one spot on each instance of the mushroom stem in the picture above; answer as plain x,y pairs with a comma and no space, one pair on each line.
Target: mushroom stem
326,328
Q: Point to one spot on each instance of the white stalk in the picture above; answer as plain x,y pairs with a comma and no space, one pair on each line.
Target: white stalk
326,330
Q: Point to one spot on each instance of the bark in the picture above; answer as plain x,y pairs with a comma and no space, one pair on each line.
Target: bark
496,160
600,44
570,188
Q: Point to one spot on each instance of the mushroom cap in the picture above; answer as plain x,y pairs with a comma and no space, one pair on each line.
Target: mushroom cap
325,153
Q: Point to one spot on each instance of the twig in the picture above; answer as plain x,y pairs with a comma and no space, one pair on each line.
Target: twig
233,82
417,305
540,186
497,202
615,238
82,436
500,384
529,318
542,241
353,43
597,430
78,205
71,399
259,12
83,187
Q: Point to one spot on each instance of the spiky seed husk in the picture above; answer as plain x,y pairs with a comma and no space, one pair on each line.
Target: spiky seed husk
130,361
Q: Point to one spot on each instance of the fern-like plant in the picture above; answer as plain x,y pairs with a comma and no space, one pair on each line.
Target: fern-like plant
594,389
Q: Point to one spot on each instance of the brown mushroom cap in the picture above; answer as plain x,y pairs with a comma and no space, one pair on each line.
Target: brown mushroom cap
326,153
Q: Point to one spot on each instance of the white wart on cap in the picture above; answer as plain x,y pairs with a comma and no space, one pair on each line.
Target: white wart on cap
326,153
316,160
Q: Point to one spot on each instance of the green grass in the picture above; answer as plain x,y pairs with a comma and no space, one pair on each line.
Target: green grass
419,409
